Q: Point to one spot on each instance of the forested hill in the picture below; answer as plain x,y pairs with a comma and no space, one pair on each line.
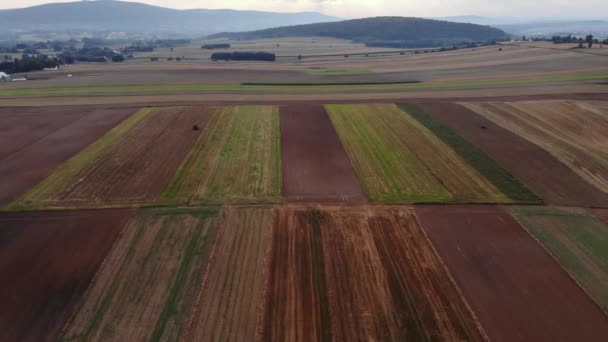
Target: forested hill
383,31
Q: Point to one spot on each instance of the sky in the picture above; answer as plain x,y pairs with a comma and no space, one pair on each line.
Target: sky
367,8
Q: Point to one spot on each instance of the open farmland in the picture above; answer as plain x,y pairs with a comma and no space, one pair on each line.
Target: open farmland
538,170
315,165
229,304
575,136
36,141
130,165
387,169
517,290
577,240
147,285
47,260
236,159
349,273
486,166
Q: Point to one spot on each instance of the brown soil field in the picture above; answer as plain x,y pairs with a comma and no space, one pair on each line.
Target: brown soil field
315,165
146,287
516,289
574,135
47,260
542,173
22,127
138,168
359,273
28,166
601,213
228,306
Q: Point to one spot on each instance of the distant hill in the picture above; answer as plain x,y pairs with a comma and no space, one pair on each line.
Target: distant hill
383,31
136,17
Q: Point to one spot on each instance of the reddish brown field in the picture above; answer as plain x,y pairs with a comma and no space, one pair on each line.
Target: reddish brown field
359,273
547,177
601,213
516,289
315,165
47,260
32,163
139,167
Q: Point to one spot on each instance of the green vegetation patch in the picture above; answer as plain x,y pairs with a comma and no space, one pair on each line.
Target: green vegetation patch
388,170
352,72
577,239
66,173
486,166
236,159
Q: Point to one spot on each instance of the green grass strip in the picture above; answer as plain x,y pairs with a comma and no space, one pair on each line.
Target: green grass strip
206,88
353,72
486,166
66,173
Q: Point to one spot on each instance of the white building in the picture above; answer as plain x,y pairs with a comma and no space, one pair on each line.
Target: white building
4,77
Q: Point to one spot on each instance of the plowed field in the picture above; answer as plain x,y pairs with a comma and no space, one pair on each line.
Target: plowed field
517,290
575,136
229,304
315,165
359,274
132,164
236,159
388,169
542,173
47,260
577,240
35,144
147,285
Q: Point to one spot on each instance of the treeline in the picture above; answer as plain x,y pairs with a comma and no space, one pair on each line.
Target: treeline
589,40
244,56
91,54
28,64
215,46
384,31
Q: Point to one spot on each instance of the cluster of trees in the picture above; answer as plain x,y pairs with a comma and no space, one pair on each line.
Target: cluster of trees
29,63
91,54
589,40
244,56
215,46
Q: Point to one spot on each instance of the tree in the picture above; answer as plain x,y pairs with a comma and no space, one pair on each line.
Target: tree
118,58
589,40
580,46
523,38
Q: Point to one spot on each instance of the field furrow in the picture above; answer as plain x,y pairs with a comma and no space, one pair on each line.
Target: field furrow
387,168
148,284
578,241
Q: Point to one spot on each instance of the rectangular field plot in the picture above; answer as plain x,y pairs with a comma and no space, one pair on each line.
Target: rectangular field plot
315,165
578,240
570,132
47,260
34,142
358,274
236,159
229,303
131,164
533,166
516,289
148,284
388,169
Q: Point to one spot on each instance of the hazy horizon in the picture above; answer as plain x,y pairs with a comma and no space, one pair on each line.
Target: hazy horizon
557,9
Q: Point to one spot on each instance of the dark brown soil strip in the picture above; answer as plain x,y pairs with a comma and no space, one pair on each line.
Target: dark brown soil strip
516,289
32,164
47,260
547,177
315,165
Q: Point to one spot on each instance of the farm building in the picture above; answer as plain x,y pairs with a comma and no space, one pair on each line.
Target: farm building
4,77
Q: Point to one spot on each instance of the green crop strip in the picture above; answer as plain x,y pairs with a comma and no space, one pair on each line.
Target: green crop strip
486,166
205,88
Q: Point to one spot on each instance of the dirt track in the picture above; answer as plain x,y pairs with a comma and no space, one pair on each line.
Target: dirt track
31,164
47,260
516,289
553,181
315,165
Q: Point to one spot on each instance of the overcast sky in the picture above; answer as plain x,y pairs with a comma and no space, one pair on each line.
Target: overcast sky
367,8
